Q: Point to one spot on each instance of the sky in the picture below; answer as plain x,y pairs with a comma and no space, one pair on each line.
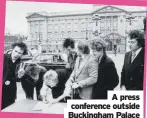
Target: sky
16,11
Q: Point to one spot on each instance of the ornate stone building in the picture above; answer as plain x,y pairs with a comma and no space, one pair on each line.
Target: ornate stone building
112,23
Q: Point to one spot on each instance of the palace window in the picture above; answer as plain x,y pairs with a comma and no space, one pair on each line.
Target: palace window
31,35
62,34
75,33
49,35
31,28
50,27
69,26
83,33
62,26
56,27
56,34
102,25
86,19
115,23
102,22
36,35
79,19
69,33
41,35
90,33
41,27
36,27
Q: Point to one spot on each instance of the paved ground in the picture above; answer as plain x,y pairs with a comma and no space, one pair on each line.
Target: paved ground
118,63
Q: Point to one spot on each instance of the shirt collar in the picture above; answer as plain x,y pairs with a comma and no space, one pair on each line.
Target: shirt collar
137,51
99,59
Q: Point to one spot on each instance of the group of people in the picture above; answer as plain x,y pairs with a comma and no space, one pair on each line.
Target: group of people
89,73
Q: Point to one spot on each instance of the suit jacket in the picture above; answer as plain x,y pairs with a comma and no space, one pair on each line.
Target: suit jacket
86,75
107,78
132,73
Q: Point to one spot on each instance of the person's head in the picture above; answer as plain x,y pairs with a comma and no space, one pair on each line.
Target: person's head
98,48
83,48
51,78
68,45
136,39
18,49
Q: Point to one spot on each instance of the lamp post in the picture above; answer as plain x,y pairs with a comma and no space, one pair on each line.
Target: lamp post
40,37
130,17
86,34
96,18
47,46
96,33
39,42
86,31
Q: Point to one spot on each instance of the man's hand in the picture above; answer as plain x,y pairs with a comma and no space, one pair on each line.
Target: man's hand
21,73
123,88
68,65
75,85
53,101
67,91
21,70
45,101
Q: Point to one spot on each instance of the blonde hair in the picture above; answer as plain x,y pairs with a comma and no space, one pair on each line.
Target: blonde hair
51,74
83,47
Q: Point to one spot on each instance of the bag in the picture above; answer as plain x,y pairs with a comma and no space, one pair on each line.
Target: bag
76,93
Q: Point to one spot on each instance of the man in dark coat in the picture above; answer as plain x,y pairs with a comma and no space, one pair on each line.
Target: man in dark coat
11,62
133,68
107,74
69,46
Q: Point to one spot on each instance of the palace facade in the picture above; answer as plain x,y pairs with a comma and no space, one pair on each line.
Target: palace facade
46,31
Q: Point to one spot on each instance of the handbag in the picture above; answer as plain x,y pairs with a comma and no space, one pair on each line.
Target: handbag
76,93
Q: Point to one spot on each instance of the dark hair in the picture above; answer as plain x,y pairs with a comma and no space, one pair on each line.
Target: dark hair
20,45
83,47
98,46
69,42
138,35
144,22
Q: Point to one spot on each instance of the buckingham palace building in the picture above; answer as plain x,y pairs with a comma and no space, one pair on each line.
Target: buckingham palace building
46,31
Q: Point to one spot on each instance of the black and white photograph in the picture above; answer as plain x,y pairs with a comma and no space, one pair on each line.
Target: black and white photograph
54,52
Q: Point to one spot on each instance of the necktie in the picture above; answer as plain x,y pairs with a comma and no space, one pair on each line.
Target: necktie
80,61
133,56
